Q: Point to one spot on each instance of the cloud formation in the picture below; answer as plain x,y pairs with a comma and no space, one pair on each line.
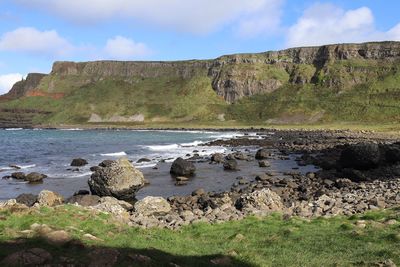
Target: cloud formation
8,80
194,16
327,24
124,48
31,40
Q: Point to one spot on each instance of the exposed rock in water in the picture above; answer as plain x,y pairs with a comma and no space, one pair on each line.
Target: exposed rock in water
152,206
35,177
217,158
231,165
263,154
79,162
181,167
119,179
18,175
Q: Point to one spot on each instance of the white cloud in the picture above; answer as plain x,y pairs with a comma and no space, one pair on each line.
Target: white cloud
194,16
8,80
31,40
121,47
327,24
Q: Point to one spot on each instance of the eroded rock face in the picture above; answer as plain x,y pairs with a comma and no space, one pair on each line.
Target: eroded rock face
118,179
152,206
360,156
182,167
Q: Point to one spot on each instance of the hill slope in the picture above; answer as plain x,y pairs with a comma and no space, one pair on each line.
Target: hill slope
347,82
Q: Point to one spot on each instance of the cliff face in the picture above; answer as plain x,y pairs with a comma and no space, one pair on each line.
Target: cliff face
315,79
22,88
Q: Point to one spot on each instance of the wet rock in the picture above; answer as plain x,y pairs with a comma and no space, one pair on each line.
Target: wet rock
79,162
240,156
360,156
28,257
217,158
231,165
49,198
35,177
263,153
152,206
18,175
27,199
181,167
141,160
263,164
119,179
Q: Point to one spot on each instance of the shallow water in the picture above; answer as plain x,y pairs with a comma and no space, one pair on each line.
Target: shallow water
51,152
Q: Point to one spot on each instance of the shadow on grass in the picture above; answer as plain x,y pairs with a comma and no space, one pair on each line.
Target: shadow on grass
37,252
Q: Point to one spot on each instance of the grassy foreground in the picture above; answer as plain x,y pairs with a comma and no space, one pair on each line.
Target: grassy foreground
269,241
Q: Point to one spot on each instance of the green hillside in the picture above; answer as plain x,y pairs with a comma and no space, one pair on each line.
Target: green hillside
355,83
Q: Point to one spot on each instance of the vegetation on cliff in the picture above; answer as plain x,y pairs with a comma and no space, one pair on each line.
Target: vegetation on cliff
328,84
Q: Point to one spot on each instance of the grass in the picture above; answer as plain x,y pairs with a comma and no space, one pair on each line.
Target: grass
268,241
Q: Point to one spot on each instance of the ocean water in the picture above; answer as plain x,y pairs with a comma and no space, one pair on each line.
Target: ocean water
51,151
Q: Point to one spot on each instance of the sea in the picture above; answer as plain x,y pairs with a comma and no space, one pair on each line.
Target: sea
51,151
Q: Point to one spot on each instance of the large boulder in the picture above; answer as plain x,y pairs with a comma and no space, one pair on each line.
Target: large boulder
118,179
263,153
27,199
49,198
114,206
181,167
360,156
152,206
79,162
18,175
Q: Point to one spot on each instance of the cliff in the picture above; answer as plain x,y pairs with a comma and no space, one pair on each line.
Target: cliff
304,83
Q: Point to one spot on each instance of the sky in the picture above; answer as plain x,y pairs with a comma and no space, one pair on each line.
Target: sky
35,33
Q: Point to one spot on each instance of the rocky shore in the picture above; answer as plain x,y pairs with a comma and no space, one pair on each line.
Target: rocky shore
347,183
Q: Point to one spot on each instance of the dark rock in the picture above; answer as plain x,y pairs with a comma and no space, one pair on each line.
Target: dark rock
35,177
392,155
95,168
18,175
28,257
79,162
360,156
182,167
143,160
240,156
107,163
198,192
231,165
81,192
263,164
263,153
27,199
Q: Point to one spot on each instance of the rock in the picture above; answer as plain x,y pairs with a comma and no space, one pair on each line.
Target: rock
260,202
79,162
152,206
343,182
217,157
181,167
14,166
84,200
106,163
18,175
104,257
231,165
119,179
360,156
263,153
141,160
27,199
49,198
28,257
263,164
92,237
95,168
58,238
182,179
35,177
392,155
82,192
114,206
142,260
199,192
240,156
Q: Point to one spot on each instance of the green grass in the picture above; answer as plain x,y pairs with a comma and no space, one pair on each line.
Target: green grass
269,241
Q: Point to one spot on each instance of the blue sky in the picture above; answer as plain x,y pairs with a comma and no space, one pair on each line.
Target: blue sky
35,33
